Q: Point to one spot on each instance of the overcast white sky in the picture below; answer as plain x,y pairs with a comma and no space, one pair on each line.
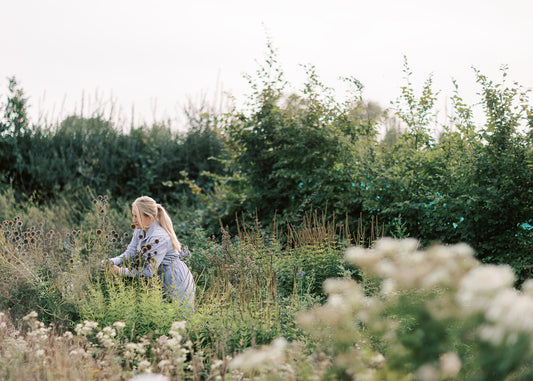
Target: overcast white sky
156,54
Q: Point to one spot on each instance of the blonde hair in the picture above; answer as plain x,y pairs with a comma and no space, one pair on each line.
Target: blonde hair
147,206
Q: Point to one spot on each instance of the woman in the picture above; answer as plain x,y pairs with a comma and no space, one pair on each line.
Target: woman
155,247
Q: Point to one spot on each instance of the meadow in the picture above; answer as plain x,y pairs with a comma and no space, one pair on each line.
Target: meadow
302,304
329,240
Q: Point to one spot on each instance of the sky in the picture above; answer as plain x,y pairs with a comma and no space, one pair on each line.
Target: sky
147,59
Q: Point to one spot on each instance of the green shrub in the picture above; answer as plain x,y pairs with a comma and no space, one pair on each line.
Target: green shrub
139,303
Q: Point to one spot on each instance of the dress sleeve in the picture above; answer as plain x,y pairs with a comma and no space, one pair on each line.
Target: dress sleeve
131,250
153,252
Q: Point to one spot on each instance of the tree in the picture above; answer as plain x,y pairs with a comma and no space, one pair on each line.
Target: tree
15,119
300,151
14,132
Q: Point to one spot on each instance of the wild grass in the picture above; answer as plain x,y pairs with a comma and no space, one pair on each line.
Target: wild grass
245,298
301,303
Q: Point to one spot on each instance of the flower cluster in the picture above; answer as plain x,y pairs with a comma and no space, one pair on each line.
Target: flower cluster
86,328
172,351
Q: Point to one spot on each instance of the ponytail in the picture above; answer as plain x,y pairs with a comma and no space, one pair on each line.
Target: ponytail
164,220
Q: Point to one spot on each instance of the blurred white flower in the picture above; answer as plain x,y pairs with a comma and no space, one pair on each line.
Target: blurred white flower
145,366
177,329
511,311
86,328
150,377
492,334
119,324
365,258
31,315
261,359
481,284
427,373
109,331
377,361
450,364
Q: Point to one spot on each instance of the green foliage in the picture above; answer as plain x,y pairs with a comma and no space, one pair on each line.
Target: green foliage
287,153
417,114
14,132
300,151
15,120
139,303
304,269
91,152
473,185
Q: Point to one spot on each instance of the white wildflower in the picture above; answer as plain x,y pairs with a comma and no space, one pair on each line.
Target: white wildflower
388,287
260,359
512,311
109,331
150,377
165,365
68,335
177,329
527,287
377,361
365,258
336,301
339,285
492,333
481,284
450,364
119,324
39,352
216,364
105,338
79,352
31,315
387,269
427,373
393,246
86,328
145,366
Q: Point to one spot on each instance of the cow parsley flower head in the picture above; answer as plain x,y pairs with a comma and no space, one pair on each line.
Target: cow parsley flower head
481,284
261,359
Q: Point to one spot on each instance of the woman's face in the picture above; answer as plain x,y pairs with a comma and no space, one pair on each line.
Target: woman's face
142,221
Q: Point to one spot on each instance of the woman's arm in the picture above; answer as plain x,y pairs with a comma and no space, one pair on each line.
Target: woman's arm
131,250
155,249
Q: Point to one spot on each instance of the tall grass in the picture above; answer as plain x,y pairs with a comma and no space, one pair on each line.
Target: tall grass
389,312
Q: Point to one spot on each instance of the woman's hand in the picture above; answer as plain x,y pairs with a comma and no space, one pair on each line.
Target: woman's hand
109,266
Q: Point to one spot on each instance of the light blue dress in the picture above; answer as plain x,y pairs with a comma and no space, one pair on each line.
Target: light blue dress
152,251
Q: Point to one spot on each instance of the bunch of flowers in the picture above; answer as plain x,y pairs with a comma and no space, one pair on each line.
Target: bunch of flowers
436,314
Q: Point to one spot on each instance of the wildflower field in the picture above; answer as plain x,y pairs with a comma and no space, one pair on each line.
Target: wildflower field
329,239
305,304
